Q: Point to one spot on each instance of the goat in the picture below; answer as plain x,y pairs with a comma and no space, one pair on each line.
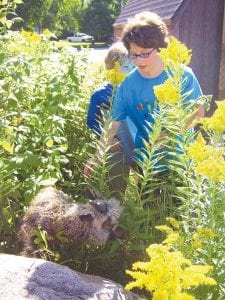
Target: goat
54,211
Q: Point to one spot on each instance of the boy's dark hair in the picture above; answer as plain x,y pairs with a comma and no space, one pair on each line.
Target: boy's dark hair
147,30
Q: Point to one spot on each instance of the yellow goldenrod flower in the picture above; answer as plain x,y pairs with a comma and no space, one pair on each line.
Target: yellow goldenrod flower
173,222
115,76
161,295
201,236
213,167
7,146
168,93
206,233
196,244
47,33
164,228
209,160
194,275
31,37
169,281
9,130
217,121
199,150
175,54
171,238
17,120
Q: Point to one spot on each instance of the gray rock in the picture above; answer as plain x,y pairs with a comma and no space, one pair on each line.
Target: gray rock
32,278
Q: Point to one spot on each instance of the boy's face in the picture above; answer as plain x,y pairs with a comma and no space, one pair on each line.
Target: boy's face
126,66
144,58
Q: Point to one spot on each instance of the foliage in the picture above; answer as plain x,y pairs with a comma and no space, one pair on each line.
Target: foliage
56,15
95,24
43,115
66,17
7,14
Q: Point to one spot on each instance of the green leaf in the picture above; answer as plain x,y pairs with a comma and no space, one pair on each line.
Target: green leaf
37,241
8,216
12,102
49,143
7,146
61,237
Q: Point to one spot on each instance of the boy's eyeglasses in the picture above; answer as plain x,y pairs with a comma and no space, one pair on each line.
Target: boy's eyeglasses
142,55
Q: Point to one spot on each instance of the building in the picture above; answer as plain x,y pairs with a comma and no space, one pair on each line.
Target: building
200,24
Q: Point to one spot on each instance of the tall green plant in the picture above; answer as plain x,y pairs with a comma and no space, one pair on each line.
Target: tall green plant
43,136
196,167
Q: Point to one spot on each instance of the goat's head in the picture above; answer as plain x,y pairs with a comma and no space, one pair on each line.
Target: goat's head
103,216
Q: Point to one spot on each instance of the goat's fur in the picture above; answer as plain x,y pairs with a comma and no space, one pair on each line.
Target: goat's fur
55,211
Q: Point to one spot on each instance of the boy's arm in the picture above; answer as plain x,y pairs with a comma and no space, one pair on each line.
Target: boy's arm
94,113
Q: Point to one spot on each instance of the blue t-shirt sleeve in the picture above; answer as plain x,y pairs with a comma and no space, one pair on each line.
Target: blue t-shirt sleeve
98,98
93,113
118,111
191,89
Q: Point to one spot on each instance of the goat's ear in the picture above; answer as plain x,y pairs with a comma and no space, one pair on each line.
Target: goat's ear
86,217
101,207
96,194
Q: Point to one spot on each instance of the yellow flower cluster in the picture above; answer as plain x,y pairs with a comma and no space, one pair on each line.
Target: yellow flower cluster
46,32
201,236
169,281
175,54
169,92
175,224
31,37
217,121
115,76
198,150
174,57
209,160
213,167
173,237
7,146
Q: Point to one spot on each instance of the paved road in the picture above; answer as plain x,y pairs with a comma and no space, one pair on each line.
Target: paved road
95,55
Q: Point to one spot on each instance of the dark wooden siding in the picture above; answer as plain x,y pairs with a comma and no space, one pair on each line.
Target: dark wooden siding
199,26
164,8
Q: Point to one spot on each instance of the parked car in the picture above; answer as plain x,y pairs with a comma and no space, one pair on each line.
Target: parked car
80,37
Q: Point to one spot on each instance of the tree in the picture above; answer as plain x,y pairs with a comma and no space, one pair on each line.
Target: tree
99,18
33,13
56,15
62,17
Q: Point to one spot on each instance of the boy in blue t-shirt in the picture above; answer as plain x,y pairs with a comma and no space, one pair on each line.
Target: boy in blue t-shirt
143,36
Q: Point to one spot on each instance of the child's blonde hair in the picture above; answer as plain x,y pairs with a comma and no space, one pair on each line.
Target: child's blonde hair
116,53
